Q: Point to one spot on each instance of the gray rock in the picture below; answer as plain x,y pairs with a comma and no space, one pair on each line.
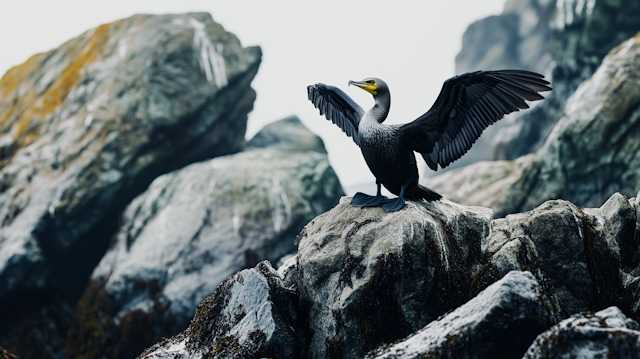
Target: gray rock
500,322
593,151
195,227
368,277
288,271
288,134
565,40
250,315
605,334
519,38
86,127
499,185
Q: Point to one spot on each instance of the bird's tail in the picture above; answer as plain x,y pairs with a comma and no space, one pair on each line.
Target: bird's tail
422,192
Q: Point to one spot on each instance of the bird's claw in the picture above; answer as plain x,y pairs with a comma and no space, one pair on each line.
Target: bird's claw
364,200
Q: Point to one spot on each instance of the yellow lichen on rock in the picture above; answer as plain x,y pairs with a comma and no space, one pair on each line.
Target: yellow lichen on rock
25,108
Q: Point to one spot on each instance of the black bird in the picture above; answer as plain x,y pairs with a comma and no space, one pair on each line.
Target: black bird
466,105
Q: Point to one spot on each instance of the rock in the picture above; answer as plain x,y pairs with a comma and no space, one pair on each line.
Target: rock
593,151
509,249
519,38
288,134
192,229
250,315
6,355
605,334
565,40
499,185
288,271
500,322
87,126
368,277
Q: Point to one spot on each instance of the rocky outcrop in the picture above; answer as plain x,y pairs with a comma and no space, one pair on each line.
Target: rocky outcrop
605,334
86,127
565,40
593,151
500,322
193,228
250,315
364,279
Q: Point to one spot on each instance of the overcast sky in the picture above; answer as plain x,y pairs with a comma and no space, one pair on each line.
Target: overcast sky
410,44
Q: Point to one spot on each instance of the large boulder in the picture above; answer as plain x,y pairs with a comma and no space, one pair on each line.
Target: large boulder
195,227
499,323
250,315
565,40
605,334
368,277
593,151
86,127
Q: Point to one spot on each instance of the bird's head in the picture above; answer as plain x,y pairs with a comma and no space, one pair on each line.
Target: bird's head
372,85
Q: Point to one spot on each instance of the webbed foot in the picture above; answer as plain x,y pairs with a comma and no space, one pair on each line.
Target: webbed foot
393,205
364,200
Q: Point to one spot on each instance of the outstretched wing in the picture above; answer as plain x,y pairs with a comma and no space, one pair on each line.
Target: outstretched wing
338,108
468,104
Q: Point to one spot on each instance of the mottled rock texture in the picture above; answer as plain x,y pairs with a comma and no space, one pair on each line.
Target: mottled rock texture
565,40
364,278
86,127
593,151
250,315
499,323
196,226
368,277
605,334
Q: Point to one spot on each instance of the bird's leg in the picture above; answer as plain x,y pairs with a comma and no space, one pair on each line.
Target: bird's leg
395,204
364,200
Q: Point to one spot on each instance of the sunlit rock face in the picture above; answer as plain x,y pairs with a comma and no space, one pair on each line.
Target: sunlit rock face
86,127
250,315
593,151
499,323
196,226
564,40
604,334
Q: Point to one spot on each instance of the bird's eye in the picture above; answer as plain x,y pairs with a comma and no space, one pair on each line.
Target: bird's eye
373,81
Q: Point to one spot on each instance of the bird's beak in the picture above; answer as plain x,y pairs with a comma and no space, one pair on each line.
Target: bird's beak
369,87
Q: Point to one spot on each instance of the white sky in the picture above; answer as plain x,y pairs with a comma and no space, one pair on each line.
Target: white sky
410,44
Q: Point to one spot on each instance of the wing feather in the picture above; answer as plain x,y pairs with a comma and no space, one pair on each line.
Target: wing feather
337,107
467,105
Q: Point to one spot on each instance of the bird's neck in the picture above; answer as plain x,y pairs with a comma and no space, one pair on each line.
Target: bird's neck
380,110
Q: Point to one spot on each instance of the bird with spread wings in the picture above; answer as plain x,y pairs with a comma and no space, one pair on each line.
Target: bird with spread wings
466,105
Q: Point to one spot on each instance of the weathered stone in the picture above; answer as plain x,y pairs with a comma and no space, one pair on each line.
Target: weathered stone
507,249
193,228
605,334
250,315
288,271
86,127
500,322
620,227
288,134
568,249
368,277
499,185
593,151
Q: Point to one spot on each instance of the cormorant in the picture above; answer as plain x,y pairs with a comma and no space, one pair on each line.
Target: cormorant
466,105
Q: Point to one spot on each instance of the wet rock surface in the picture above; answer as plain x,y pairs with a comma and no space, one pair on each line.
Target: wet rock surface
450,280
500,322
367,277
593,151
605,334
86,127
196,226
250,315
